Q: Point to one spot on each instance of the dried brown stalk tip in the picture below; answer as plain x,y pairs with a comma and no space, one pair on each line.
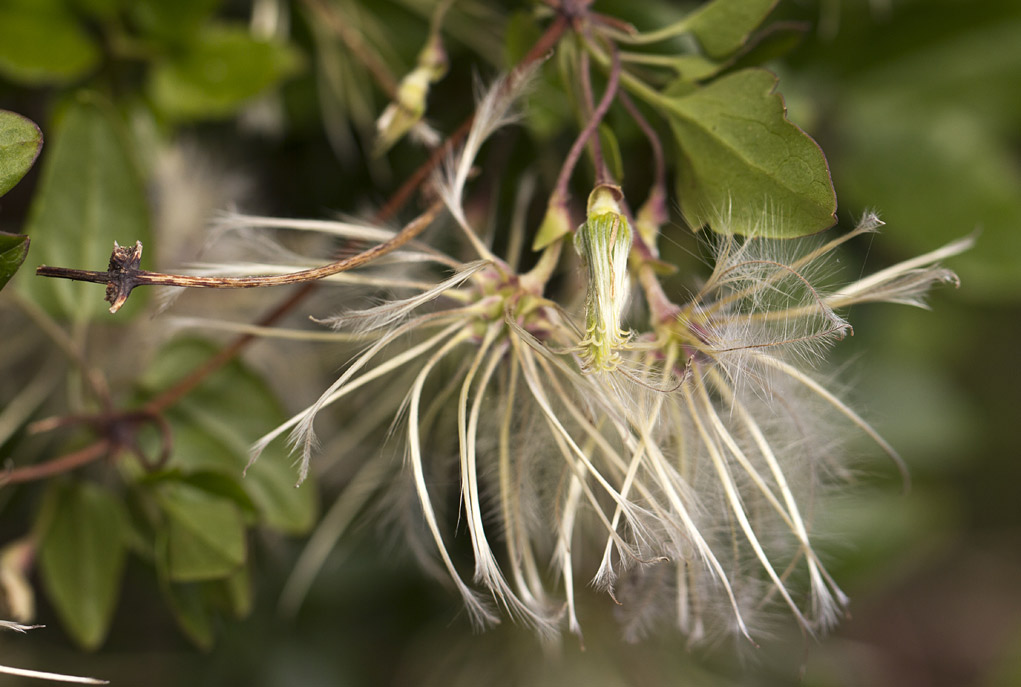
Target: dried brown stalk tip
124,263
120,278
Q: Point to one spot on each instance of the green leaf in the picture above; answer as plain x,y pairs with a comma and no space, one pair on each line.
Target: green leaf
171,21
20,143
195,604
772,43
192,612
238,591
723,26
224,486
81,558
744,164
694,67
13,249
215,425
205,533
223,69
42,44
90,195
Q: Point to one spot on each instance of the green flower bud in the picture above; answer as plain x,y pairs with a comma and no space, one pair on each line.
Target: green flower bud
604,242
408,107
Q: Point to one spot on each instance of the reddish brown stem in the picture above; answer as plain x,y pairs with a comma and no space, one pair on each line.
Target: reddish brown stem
560,190
65,463
659,160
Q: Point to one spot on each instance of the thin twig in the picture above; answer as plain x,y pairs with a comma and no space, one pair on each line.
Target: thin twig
65,463
560,190
124,275
658,159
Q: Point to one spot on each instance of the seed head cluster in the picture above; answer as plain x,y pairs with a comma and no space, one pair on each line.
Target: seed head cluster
674,463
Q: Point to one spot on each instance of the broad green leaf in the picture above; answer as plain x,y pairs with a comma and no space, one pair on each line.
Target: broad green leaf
81,558
43,45
773,42
723,26
224,486
90,195
20,143
215,425
238,591
13,249
205,533
171,21
195,605
192,612
220,71
694,67
679,88
744,164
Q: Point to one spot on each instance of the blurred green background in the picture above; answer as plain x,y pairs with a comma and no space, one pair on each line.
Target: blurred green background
917,104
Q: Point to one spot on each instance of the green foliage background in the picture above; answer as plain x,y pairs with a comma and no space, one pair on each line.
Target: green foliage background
917,105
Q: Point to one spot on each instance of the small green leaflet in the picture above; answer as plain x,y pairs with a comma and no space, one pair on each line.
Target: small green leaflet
222,69
723,26
215,425
81,557
745,168
43,43
13,249
205,533
20,143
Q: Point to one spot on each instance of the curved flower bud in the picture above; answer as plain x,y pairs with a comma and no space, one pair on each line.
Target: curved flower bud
408,107
604,243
